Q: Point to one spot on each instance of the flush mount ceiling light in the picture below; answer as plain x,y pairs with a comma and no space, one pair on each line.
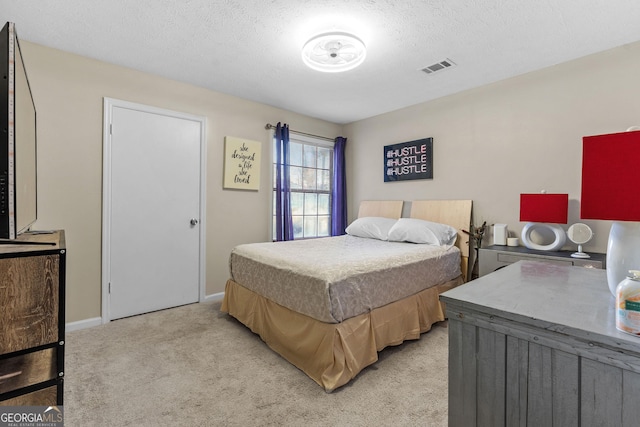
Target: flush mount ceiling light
334,52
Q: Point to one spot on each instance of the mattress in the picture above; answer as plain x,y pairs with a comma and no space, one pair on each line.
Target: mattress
335,278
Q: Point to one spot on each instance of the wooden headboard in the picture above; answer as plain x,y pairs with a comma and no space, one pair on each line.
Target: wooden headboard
456,213
382,208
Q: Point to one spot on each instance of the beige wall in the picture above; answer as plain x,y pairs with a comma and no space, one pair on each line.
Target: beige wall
515,136
490,144
68,92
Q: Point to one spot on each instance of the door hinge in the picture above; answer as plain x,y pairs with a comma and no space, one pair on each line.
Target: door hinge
110,128
109,287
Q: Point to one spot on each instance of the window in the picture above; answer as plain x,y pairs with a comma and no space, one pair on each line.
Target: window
311,169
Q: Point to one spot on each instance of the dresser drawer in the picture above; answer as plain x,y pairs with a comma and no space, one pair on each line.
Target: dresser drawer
29,295
587,263
31,368
511,258
48,396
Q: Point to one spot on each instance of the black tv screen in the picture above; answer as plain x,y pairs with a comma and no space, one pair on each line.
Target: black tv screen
18,177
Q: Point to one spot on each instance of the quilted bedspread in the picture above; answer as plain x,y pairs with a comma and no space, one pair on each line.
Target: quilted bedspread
334,278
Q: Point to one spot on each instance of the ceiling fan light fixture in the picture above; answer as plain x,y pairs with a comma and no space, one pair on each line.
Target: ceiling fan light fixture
334,52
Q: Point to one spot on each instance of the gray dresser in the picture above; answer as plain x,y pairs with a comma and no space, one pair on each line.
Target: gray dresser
535,344
495,257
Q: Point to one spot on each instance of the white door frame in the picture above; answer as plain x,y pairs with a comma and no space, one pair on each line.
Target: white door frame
108,105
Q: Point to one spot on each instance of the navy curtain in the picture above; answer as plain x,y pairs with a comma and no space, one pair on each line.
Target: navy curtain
339,189
284,223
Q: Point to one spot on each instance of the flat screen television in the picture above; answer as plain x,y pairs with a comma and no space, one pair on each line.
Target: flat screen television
18,177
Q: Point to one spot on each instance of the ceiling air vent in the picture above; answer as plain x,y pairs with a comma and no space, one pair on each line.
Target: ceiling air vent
438,66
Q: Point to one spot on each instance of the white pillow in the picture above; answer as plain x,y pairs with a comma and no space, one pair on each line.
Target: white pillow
372,227
420,231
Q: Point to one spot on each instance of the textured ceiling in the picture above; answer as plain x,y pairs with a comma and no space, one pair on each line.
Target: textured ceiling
251,48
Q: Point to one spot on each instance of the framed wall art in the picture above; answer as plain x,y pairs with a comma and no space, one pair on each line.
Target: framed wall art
241,163
409,160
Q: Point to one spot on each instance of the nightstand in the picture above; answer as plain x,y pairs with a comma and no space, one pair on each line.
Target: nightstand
495,257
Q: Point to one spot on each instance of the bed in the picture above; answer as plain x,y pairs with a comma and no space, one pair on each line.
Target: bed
330,317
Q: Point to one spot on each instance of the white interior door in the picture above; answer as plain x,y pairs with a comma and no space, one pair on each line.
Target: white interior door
153,184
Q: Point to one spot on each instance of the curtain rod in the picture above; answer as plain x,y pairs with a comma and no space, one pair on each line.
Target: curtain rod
270,126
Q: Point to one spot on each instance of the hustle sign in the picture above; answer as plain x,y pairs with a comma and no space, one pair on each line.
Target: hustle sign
409,160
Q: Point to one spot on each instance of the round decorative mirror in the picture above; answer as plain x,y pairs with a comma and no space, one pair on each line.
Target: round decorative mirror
580,234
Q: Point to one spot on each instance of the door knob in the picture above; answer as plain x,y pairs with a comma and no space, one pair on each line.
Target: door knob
194,221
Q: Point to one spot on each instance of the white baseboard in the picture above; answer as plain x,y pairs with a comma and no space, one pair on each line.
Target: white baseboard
83,324
97,321
214,297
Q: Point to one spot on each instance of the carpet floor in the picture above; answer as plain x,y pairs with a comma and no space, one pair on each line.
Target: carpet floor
195,366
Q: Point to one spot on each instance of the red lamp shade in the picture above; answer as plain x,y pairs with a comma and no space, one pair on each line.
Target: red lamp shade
611,177
541,207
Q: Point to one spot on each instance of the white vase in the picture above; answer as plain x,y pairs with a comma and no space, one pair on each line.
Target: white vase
623,252
559,236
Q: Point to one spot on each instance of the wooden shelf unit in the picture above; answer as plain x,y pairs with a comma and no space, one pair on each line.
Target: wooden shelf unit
32,295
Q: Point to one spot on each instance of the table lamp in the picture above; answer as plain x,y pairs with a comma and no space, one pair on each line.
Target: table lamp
543,212
610,183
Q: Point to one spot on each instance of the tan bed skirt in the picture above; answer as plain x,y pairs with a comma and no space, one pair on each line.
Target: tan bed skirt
333,353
